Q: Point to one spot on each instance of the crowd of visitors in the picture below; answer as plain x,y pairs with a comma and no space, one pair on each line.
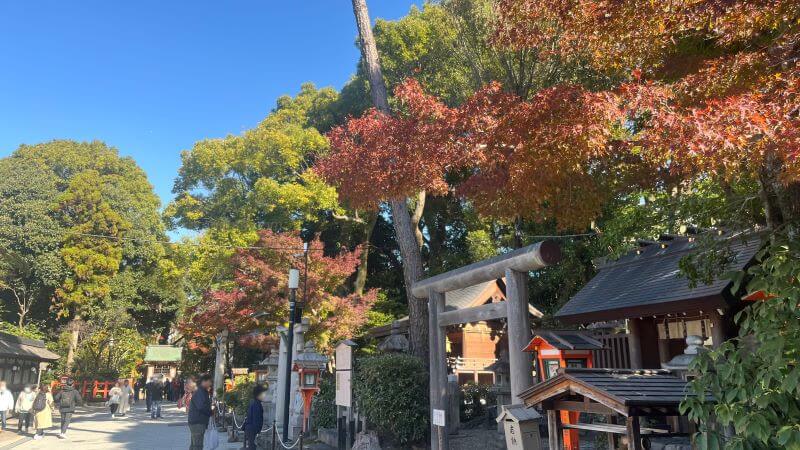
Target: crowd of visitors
35,406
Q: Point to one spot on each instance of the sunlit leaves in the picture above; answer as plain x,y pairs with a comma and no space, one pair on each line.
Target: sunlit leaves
260,286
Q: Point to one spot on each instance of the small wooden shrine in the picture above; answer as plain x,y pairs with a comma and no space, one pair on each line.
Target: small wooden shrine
557,349
633,394
473,349
662,307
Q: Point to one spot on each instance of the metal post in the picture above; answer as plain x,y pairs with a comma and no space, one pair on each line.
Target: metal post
301,440
288,373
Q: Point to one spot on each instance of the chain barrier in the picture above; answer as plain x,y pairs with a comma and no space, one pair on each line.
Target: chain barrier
299,442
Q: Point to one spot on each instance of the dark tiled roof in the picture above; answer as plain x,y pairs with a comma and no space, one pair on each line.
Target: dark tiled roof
648,281
568,339
616,388
25,348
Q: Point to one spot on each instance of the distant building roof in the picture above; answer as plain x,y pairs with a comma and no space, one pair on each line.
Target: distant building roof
162,353
565,340
648,281
19,347
475,295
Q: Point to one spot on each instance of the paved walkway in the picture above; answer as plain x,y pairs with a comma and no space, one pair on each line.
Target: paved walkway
93,428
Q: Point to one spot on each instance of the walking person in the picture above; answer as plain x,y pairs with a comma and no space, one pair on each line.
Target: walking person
43,406
114,399
200,412
184,401
6,403
137,387
156,395
148,398
68,399
125,399
24,408
255,417
168,390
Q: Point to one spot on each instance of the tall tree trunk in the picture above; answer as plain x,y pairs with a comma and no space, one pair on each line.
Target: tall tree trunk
74,327
361,273
403,226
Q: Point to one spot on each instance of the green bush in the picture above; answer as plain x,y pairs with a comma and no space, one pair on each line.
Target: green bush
324,406
476,399
239,397
392,391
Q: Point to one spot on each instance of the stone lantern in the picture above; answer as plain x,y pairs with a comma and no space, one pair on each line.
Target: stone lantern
680,364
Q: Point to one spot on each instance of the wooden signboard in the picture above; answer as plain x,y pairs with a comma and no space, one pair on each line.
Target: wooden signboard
344,373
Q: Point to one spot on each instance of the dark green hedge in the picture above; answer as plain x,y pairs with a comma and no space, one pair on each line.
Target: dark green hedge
324,407
392,390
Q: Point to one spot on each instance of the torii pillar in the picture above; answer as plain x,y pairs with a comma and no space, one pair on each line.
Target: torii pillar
514,266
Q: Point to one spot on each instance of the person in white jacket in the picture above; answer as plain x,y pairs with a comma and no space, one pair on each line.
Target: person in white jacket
6,403
24,408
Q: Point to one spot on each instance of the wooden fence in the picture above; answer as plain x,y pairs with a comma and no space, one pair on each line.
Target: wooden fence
615,355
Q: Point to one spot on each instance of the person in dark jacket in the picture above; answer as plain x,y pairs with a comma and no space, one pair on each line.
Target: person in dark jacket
147,399
255,417
155,393
67,399
200,411
168,390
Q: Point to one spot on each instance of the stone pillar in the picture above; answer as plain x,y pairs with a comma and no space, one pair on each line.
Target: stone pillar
635,343
272,385
519,333
438,369
296,405
219,363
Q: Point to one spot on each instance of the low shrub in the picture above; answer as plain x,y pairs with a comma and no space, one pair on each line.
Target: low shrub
392,390
239,396
324,406
475,400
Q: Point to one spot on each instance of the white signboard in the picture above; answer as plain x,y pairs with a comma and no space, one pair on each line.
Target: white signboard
438,417
344,373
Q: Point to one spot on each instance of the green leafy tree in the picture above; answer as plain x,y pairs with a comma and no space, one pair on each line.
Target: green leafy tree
30,237
92,249
259,179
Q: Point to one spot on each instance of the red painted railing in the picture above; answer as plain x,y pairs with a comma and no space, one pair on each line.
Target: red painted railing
90,389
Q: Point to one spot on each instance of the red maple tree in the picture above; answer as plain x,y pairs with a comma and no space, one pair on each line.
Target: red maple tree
260,287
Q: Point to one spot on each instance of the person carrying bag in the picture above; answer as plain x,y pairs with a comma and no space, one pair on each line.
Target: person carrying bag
200,415
211,436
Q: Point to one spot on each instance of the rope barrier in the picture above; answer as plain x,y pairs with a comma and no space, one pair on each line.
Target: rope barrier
296,443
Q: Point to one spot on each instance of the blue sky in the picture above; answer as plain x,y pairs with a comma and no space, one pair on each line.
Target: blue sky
152,77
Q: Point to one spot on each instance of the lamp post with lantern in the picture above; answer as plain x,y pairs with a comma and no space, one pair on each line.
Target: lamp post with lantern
294,283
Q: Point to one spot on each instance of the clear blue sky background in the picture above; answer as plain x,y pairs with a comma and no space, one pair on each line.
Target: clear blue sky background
151,77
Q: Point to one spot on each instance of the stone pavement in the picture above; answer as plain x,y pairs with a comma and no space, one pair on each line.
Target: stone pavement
93,428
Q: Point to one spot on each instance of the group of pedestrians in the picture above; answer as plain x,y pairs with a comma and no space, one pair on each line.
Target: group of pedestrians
35,405
120,398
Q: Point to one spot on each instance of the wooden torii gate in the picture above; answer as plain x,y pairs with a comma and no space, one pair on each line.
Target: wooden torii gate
514,266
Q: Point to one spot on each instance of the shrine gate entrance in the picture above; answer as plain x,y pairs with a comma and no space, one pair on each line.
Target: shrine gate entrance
514,266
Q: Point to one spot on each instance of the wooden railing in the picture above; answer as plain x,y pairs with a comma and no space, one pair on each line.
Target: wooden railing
615,355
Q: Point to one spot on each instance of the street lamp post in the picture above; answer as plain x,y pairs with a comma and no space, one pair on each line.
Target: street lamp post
294,283
111,343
